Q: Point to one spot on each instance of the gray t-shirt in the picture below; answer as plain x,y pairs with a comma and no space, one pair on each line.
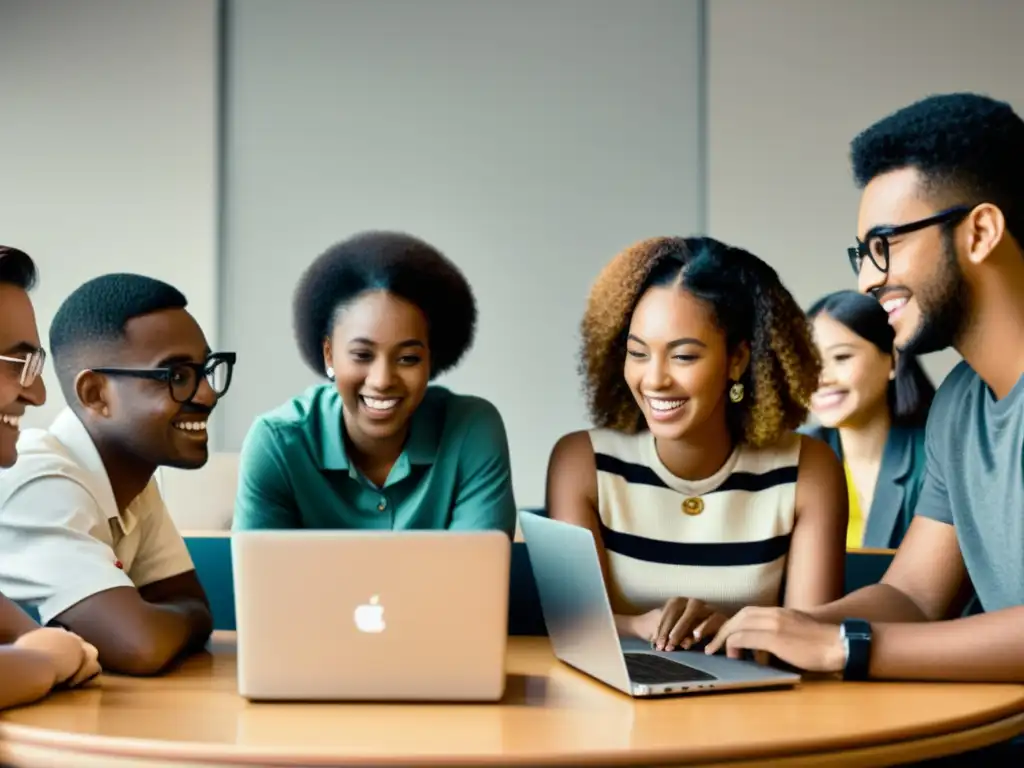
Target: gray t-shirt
974,480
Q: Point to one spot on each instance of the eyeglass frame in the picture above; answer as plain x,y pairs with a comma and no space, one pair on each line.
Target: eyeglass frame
163,373
856,254
31,366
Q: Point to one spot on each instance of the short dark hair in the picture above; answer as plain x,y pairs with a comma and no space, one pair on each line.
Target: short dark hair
911,392
399,264
17,268
97,313
750,304
963,144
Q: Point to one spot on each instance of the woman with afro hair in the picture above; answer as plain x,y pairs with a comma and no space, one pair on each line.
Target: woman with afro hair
698,367
377,447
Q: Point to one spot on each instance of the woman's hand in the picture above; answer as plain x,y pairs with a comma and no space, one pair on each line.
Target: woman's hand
74,660
679,624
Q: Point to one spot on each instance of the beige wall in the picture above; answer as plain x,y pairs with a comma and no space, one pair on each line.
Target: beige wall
790,82
109,146
529,140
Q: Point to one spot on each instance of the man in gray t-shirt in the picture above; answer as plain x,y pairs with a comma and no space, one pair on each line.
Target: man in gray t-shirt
974,481
940,229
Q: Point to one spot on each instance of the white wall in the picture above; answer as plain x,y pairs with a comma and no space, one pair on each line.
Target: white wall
791,82
530,141
108,146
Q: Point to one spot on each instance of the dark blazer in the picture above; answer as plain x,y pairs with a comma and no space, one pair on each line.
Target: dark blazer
900,477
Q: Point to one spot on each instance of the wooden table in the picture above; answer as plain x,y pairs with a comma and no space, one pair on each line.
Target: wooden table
551,715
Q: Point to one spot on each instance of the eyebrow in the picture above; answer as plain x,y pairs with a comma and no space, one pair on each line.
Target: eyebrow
676,343
22,346
372,343
840,345
175,360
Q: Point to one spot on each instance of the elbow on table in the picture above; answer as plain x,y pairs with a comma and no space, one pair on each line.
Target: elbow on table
142,653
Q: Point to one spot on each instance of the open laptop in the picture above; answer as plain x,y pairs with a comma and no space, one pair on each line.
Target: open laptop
581,625
371,615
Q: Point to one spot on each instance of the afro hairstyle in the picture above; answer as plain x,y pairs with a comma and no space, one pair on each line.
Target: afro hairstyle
967,147
398,264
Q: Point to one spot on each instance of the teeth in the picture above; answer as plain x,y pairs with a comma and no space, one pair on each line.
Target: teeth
10,420
191,426
664,405
380,405
890,305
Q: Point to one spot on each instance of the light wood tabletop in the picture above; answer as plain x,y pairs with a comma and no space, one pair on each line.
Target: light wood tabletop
550,715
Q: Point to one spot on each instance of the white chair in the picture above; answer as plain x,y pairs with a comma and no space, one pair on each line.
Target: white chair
202,499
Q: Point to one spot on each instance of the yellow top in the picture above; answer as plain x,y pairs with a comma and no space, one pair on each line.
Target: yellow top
855,529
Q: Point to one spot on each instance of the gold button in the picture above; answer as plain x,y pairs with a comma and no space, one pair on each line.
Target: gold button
383,505
693,506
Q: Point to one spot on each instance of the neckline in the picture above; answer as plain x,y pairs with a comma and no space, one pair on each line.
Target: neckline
688,487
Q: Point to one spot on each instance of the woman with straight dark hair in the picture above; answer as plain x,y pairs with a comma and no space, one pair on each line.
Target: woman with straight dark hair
872,404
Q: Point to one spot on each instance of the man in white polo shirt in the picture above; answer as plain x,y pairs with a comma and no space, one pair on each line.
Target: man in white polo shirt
85,536
32,659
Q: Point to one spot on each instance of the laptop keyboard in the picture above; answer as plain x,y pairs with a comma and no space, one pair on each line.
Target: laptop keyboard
651,669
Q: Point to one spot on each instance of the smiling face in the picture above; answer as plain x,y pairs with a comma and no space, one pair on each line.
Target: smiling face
677,365
855,376
924,292
379,350
143,418
18,337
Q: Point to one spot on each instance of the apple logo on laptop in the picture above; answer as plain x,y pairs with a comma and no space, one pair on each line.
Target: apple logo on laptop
370,617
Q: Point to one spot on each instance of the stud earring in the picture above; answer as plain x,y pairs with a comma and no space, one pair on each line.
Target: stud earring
106,411
736,392
330,372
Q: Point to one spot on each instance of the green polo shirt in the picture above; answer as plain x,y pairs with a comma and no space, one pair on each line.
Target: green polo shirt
453,474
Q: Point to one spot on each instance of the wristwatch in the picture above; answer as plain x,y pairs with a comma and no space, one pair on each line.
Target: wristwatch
856,636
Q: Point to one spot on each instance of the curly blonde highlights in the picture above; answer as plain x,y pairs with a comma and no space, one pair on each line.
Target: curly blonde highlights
750,304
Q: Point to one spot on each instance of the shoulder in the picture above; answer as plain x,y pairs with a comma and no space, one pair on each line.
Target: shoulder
958,383
296,413
573,461
827,435
616,444
49,467
291,421
819,467
460,412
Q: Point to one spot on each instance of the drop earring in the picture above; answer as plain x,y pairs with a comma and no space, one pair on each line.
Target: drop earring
330,373
736,392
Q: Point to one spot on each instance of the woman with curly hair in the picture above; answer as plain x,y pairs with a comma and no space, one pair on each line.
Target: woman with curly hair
698,367
377,447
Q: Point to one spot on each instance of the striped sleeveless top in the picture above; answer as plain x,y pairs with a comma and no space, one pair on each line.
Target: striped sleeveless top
723,539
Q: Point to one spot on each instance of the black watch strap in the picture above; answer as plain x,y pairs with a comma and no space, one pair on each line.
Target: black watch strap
857,638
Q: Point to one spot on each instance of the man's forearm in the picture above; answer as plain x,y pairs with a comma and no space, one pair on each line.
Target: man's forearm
875,603
982,648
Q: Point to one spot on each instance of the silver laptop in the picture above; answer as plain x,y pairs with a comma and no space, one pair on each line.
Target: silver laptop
581,625
371,615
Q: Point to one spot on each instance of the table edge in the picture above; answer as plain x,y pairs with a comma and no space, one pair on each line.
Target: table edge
840,751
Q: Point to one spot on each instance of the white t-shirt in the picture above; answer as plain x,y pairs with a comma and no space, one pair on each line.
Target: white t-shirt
61,537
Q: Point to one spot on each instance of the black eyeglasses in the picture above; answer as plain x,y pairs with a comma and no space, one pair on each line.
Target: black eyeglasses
31,366
875,245
183,379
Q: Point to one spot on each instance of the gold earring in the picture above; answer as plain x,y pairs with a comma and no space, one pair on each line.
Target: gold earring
106,411
736,392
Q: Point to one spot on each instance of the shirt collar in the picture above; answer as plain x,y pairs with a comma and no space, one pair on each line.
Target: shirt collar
73,435
420,448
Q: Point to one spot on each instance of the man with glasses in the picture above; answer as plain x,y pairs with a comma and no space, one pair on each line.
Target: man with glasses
32,659
941,228
86,537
